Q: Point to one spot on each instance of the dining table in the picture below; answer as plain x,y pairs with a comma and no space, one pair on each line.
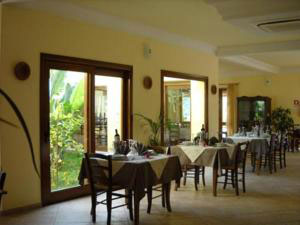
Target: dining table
207,156
139,173
258,147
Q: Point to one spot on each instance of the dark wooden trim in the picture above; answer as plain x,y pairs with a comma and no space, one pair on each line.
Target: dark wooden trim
221,90
167,73
91,67
267,101
86,62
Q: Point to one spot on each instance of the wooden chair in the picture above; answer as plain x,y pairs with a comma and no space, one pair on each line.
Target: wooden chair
265,159
280,152
295,139
236,167
101,184
269,158
194,171
2,180
158,188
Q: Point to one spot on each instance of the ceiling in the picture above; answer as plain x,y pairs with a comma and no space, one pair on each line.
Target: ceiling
222,27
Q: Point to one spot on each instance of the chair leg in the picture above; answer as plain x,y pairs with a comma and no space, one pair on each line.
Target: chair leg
93,209
244,180
236,182
130,204
270,162
108,206
274,162
149,198
266,160
226,178
196,177
203,175
232,178
280,159
253,162
184,177
284,158
163,196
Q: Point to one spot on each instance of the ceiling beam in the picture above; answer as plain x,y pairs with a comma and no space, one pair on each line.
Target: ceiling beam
253,63
14,1
290,70
236,50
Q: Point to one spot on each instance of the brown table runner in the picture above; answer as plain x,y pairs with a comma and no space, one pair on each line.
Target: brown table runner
139,174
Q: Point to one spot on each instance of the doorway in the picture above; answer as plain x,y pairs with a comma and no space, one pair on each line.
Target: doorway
184,104
82,103
222,113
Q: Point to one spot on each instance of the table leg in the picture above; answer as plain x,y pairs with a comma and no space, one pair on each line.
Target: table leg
167,194
258,165
215,179
136,209
215,175
177,185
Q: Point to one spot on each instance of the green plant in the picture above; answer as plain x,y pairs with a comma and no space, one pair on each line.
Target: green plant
66,121
154,126
282,119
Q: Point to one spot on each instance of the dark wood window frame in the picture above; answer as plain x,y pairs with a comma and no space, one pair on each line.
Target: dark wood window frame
93,68
167,73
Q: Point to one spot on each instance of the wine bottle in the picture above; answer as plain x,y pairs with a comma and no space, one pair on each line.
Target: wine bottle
117,136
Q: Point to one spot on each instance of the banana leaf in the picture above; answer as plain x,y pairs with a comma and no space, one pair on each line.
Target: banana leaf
24,126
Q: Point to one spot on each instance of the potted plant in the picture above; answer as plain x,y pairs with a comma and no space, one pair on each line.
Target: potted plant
154,127
282,119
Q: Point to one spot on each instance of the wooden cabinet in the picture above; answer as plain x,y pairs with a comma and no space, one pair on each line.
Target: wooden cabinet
251,109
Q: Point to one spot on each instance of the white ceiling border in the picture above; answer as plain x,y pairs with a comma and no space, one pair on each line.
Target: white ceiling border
253,63
236,50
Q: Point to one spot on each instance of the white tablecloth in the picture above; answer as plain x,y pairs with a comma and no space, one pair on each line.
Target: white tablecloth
258,145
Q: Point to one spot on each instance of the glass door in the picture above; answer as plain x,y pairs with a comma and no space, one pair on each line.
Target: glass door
108,111
68,122
79,112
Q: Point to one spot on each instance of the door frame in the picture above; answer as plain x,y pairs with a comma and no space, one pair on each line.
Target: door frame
168,73
91,67
221,90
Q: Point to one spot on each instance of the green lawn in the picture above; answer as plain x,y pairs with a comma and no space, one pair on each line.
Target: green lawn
67,175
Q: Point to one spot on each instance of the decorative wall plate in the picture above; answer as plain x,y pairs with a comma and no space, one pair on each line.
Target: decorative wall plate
147,82
213,89
22,71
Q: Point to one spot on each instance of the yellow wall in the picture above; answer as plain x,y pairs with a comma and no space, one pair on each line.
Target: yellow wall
283,89
26,33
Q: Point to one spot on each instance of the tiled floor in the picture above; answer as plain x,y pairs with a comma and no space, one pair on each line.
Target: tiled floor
270,200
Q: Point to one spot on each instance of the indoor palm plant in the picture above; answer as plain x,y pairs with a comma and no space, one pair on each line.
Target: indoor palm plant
282,119
154,126
23,124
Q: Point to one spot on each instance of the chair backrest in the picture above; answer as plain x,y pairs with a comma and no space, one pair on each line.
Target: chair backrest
229,141
169,150
98,173
273,143
212,141
242,148
240,155
2,180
